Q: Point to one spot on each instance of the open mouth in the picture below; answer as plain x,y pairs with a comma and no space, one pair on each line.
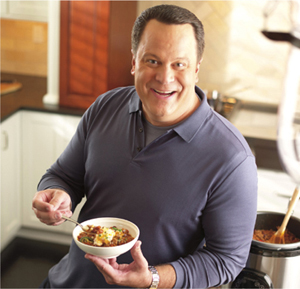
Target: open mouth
163,93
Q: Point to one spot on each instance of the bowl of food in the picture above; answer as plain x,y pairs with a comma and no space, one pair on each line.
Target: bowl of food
106,237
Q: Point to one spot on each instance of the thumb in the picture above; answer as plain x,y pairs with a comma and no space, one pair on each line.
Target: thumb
55,203
60,200
137,255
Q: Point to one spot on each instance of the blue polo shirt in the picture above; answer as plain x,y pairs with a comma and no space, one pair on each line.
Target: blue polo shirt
194,184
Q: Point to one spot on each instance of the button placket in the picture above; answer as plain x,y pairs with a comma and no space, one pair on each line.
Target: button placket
140,135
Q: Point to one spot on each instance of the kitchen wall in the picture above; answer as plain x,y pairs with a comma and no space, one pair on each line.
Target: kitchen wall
238,60
24,47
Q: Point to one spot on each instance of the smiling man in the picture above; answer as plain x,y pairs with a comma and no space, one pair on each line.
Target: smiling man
166,67
157,154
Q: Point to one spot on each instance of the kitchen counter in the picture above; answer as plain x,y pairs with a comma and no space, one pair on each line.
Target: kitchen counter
256,120
274,192
258,124
30,97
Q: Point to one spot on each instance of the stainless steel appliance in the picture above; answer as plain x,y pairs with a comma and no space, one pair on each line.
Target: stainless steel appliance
272,265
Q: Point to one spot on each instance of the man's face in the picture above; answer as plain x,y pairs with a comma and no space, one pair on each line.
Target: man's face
165,68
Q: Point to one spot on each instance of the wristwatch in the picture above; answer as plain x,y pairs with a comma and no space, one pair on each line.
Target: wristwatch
155,277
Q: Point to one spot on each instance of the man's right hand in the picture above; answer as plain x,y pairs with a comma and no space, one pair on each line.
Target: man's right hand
49,205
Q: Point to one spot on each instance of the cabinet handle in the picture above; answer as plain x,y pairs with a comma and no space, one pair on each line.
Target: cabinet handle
4,140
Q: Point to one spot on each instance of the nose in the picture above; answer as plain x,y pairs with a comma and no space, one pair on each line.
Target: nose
165,74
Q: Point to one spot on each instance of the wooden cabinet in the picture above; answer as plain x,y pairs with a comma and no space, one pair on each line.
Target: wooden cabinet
95,49
10,180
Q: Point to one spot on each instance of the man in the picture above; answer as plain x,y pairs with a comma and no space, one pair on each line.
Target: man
157,155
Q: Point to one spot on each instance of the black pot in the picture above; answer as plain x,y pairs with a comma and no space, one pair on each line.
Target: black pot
272,265
272,220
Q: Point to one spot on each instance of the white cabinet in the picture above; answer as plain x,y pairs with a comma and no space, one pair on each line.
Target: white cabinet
44,137
25,10
30,143
10,180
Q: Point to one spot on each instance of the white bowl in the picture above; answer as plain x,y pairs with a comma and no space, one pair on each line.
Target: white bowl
108,252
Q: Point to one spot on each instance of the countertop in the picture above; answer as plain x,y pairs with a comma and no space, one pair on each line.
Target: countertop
30,97
275,190
257,121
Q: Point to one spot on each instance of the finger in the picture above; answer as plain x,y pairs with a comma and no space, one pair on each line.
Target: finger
137,255
52,200
41,201
103,265
113,263
96,260
53,218
44,206
60,200
49,218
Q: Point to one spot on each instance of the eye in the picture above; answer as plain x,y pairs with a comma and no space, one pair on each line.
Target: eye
152,61
180,65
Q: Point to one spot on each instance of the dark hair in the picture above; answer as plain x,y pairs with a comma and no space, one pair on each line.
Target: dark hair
168,14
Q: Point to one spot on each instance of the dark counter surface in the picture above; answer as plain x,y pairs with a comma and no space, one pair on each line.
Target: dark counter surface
30,97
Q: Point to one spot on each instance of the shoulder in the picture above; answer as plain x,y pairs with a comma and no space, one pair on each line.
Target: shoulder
112,98
107,103
115,94
220,139
230,136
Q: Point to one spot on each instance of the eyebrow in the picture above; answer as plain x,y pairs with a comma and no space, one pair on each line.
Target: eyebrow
155,56
150,55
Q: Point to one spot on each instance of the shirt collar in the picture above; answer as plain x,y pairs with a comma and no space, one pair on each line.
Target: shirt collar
135,103
188,128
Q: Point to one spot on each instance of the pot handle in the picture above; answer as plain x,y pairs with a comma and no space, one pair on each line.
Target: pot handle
251,278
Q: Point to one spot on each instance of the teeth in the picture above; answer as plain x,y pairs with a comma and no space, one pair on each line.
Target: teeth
163,92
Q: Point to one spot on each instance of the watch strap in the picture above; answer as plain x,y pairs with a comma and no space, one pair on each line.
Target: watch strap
155,277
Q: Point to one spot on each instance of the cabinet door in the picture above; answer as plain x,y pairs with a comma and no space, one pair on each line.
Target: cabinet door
95,49
10,180
45,136
25,10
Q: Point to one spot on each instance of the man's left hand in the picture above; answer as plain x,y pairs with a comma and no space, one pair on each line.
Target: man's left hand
135,274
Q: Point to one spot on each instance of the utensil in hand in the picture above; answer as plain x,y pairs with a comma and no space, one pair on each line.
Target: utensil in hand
278,237
75,222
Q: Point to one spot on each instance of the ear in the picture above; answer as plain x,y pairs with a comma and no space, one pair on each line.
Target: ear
132,63
198,65
197,70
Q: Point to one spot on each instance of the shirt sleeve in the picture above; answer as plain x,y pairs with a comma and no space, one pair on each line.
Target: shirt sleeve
228,222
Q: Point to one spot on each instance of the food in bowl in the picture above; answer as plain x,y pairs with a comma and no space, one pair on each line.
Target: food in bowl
104,237
266,235
107,252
